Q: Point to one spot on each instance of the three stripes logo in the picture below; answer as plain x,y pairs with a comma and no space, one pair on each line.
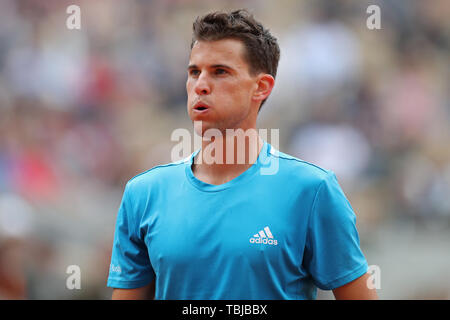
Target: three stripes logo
264,236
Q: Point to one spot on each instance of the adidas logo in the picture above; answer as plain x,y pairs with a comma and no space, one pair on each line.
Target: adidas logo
264,236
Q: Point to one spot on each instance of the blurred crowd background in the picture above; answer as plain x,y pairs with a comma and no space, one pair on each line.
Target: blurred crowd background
83,111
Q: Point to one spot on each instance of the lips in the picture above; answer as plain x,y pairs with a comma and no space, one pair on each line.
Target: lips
201,107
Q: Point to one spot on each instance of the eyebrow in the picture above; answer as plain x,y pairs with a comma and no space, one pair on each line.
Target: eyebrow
194,66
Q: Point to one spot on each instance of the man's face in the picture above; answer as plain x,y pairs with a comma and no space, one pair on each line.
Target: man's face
219,80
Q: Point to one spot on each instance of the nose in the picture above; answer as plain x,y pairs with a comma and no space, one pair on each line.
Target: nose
202,85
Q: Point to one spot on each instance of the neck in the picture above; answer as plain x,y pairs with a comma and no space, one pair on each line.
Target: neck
225,157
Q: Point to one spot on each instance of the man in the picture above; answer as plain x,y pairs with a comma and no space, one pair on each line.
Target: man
196,229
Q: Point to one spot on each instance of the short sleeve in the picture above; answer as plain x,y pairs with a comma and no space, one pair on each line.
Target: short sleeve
130,264
332,255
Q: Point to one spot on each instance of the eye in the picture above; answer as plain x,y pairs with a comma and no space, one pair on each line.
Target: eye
221,71
194,72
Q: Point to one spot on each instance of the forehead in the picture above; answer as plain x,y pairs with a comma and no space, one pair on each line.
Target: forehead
225,51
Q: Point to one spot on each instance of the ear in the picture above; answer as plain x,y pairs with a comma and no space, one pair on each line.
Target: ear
264,86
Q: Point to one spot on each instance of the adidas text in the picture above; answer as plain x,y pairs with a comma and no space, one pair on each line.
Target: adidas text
264,236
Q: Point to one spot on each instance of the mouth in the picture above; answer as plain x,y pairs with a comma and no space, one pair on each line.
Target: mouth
201,107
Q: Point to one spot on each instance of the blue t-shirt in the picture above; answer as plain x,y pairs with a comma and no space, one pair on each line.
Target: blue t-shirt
277,231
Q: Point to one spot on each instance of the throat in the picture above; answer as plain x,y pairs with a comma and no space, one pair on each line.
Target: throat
221,170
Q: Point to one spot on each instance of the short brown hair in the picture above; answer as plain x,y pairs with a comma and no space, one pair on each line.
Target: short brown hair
262,52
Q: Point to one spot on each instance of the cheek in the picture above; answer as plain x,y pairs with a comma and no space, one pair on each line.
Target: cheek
188,86
189,90
242,93
234,91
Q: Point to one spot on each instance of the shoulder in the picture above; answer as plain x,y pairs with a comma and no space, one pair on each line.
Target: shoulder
158,174
298,170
